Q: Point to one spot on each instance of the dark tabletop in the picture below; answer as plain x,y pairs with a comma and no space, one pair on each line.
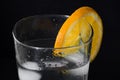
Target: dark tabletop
107,63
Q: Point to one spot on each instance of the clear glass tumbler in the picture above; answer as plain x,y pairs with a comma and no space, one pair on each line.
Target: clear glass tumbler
34,39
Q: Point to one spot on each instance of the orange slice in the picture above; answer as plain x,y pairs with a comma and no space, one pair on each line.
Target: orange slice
76,27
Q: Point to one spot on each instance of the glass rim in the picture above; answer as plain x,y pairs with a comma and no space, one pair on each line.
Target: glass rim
36,47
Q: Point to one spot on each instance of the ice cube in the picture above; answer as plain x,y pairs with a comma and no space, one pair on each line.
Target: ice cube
31,65
26,74
75,58
54,64
80,71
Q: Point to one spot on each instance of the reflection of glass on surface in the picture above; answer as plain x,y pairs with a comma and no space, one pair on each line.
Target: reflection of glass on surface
34,41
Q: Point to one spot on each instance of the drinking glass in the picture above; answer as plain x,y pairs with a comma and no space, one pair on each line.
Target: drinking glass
36,57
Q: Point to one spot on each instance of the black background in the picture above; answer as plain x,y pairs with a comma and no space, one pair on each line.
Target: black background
107,63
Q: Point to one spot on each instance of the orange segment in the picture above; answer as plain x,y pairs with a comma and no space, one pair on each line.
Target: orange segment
76,26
